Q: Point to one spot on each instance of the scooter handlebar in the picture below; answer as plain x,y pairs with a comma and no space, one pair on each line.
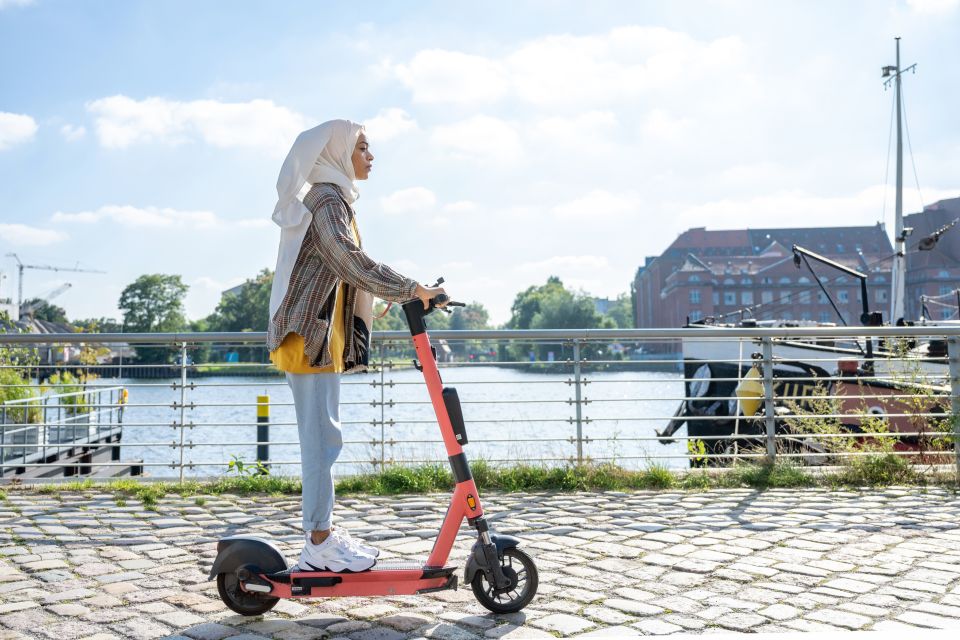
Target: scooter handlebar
443,300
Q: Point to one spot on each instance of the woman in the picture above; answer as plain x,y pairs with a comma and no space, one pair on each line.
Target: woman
321,309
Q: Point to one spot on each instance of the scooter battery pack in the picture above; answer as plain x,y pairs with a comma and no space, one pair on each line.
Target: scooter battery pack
452,401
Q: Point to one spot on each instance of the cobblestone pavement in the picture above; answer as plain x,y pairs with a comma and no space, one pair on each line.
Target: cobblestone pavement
80,565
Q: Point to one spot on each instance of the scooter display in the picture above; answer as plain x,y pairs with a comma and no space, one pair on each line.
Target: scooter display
252,574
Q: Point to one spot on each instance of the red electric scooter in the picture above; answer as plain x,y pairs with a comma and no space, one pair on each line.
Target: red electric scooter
252,574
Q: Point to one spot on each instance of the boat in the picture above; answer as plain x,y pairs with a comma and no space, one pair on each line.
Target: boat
859,381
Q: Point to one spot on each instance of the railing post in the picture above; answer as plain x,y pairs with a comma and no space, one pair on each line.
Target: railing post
383,410
3,438
183,400
768,409
577,392
953,353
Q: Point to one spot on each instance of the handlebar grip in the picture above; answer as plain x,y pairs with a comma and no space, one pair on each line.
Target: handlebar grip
441,299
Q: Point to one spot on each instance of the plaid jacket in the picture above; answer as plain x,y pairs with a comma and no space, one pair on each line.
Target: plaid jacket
328,256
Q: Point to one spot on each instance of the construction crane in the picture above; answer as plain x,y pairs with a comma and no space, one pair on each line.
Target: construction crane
27,310
40,267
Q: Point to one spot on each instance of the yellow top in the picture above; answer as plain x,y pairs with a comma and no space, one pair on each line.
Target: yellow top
289,356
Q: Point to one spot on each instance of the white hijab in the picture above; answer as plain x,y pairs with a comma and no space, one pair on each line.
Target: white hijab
321,154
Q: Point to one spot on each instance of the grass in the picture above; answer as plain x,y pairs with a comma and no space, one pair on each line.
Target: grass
873,470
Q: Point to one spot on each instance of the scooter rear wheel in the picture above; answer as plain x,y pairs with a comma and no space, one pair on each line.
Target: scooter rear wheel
240,601
521,571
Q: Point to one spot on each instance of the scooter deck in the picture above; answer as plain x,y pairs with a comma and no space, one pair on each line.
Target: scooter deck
387,578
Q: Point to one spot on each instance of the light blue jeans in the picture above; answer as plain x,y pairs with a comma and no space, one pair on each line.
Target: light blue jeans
316,397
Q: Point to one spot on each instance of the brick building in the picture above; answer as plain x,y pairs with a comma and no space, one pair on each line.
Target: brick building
750,272
722,273
935,272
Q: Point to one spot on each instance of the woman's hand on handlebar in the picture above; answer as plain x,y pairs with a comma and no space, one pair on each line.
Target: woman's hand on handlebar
426,294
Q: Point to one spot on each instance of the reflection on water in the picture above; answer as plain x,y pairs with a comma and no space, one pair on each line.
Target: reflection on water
510,415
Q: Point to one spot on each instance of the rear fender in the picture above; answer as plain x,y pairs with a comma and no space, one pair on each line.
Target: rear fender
237,551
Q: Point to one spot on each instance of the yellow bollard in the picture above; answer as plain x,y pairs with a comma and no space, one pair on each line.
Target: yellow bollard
263,428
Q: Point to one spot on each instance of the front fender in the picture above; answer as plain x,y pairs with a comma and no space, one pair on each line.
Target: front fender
477,560
236,551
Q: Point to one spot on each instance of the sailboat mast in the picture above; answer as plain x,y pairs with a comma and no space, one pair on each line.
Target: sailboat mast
898,283
898,293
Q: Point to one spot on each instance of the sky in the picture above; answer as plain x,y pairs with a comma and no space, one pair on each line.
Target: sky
513,140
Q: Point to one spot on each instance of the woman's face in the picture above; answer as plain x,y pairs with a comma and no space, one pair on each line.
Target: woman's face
362,158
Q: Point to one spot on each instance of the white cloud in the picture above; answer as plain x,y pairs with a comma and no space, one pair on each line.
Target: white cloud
408,200
483,138
15,129
600,204
21,234
388,124
73,133
565,263
801,209
573,129
156,217
565,70
439,76
461,206
660,123
122,121
933,7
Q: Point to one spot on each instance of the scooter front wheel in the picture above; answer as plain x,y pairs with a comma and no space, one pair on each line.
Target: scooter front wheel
240,601
519,568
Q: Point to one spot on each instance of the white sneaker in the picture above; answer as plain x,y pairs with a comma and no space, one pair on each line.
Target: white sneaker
333,554
356,543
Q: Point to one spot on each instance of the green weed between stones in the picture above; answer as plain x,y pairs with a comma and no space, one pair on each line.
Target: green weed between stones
872,470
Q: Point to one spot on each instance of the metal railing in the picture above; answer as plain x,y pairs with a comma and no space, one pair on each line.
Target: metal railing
633,397
48,429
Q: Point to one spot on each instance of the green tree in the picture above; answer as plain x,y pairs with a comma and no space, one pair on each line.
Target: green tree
621,311
247,308
473,317
552,306
153,303
98,325
43,310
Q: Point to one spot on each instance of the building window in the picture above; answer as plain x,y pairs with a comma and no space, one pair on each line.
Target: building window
746,281
946,314
716,298
843,296
806,316
879,279
694,278
945,289
766,280
696,315
787,315
943,274
785,297
694,296
803,280
730,282
730,297
824,316
839,248
766,297
784,280
746,297
881,295
805,298
822,297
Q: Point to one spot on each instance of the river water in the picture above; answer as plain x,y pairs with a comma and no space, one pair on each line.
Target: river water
510,415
